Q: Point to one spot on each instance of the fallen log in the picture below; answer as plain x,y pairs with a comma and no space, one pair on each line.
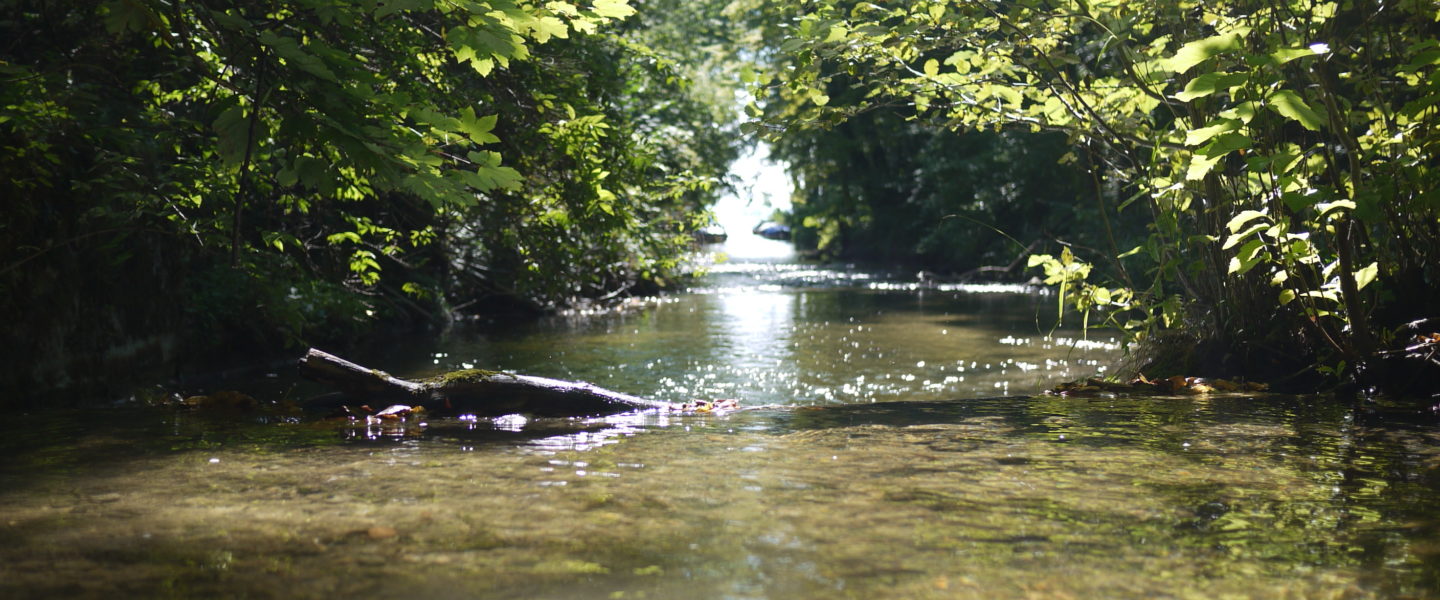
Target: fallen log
471,391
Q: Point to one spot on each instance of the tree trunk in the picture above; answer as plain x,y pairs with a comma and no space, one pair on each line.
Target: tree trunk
472,391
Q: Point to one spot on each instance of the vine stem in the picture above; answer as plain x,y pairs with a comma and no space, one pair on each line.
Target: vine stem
243,188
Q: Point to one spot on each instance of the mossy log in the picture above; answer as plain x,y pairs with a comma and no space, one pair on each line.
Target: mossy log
471,391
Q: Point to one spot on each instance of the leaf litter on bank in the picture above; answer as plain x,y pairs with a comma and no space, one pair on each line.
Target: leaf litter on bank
1166,386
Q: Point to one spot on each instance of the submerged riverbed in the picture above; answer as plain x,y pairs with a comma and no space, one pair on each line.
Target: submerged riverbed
893,448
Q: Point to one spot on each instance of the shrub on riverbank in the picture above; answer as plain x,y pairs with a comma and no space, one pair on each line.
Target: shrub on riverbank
233,175
1282,155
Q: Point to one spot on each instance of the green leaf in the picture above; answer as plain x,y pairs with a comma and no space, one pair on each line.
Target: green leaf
1198,136
121,17
390,7
486,42
1240,236
344,236
932,68
489,175
312,172
1244,111
230,21
1413,108
1290,105
500,44
1366,274
874,31
1286,296
1210,83
1301,251
1285,55
1198,51
545,28
362,261
1245,216
1325,208
232,128
1426,54
483,66
290,50
1278,163
1200,166
1225,144
478,128
1247,257
1296,201
490,159
613,9
275,239
1010,95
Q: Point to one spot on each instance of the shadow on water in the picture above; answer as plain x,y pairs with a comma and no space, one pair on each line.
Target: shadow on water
69,443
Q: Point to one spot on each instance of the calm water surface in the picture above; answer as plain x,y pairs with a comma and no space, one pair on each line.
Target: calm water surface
880,459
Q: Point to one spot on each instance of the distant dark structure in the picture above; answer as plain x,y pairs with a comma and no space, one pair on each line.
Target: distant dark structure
772,230
712,234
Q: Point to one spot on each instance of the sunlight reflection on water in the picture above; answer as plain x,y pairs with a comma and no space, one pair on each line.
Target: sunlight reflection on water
789,333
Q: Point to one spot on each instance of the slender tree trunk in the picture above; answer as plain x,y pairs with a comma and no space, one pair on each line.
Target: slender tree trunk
242,191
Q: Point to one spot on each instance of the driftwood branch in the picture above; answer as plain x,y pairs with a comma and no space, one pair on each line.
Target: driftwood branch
472,391
1009,269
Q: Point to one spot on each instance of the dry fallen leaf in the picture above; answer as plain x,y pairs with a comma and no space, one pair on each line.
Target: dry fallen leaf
381,532
221,399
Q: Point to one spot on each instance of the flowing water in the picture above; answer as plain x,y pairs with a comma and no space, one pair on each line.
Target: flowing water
892,447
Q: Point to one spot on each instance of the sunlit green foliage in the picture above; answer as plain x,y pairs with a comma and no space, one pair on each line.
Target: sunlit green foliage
1283,152
397,159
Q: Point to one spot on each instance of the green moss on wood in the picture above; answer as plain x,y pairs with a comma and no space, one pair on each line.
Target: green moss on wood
466,376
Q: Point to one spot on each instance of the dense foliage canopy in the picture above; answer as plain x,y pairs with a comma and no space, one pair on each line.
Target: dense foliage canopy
272,171
1258,175
1282,152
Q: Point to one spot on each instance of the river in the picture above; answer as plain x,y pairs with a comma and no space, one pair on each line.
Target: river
892,445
